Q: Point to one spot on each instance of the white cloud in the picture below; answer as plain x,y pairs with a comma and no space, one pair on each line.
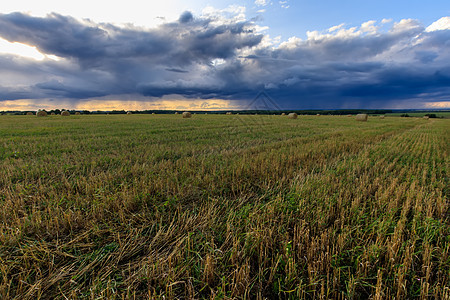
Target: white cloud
369,27
260,29
405,25
339,31
230,15
284,4
291,43
342,33
441,24
217,62
261,2
334,28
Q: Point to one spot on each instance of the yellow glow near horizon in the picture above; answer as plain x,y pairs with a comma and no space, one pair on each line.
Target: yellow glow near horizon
195,104
160,104
440,104
108,105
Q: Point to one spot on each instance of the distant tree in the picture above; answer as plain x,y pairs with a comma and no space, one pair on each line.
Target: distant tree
404,115
431,116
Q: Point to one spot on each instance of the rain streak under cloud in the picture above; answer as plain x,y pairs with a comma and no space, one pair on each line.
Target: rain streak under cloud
223,59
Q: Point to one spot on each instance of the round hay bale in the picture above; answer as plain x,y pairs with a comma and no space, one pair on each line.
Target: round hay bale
229,113
53,114
318,115
129,113
77,113
65,113
362,117
292,116
349,116
41,113
177,113
381,117
153,114
186,115
426,117
283,114
29,113
206,113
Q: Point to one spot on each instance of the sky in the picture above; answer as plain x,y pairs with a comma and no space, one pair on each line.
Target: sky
203,55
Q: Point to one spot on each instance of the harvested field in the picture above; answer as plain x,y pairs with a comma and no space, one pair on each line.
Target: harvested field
154,206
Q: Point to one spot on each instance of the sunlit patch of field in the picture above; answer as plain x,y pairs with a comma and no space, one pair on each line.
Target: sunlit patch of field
223,206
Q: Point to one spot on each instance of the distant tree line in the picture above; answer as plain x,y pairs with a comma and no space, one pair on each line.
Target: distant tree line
431,116
404,113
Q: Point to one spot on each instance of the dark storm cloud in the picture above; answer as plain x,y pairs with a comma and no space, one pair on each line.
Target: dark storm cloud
89,42
15,94
56,34
186,17
176,70
401,83
215,57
